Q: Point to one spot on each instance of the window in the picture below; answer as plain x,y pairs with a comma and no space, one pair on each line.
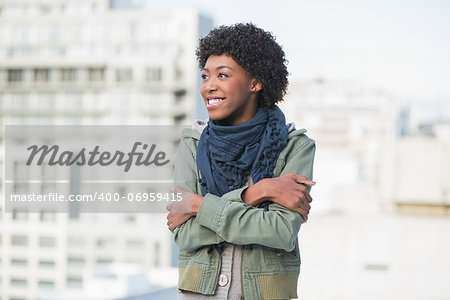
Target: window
47,242
42,75
19,214
124,75
75,261
179,74
46,284
104,261
15,75
135,244
96,74
74,282
179,95
154,74
104,242
47,216
68,75
179,117
130,218
19,240
19,262
18,282
44,9
46,264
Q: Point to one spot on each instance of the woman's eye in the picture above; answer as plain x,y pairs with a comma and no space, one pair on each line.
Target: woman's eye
204,76
222,75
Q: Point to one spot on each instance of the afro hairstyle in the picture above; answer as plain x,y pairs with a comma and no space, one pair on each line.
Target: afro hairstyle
256,51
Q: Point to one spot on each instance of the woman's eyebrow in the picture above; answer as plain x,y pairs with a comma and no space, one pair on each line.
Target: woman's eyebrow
218,68
223,67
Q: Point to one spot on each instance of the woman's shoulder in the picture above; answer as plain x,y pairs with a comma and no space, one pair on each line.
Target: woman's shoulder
297,138
297,134
194,132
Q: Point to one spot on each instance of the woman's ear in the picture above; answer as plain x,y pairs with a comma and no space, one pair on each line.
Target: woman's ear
256,86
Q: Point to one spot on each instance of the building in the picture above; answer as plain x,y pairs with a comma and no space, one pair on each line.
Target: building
379,223
90,62
417,177
119,282
350,123
85,62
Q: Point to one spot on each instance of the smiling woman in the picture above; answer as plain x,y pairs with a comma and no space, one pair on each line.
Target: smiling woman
243,176
229,92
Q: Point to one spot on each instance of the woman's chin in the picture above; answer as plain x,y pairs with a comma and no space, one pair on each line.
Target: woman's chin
216,117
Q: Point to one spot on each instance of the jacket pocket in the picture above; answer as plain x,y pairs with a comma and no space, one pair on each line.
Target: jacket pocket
283,261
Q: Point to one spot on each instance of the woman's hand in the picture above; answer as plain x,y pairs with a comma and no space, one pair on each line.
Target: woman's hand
181,211
288,191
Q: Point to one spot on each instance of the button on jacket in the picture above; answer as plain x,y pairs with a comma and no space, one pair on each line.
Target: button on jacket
271,259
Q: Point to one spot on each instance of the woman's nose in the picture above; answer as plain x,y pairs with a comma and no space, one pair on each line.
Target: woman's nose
211,84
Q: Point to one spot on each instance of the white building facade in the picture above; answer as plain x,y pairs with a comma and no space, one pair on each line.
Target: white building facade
351,124
379,225
90,62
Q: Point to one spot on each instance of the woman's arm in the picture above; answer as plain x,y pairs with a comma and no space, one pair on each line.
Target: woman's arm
190,235
237,222
289,190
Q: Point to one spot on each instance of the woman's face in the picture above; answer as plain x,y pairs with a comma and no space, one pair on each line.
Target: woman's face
229,92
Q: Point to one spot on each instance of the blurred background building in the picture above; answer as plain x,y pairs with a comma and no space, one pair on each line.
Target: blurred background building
91,62
379,227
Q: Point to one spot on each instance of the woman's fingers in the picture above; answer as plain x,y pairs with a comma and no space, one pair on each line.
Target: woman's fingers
304,205
178,210
177,190
301,179
304,180
308,197
304,214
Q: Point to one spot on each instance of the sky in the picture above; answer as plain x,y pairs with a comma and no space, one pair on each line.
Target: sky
399,46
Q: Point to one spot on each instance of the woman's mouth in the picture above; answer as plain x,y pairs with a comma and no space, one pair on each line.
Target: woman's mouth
214,102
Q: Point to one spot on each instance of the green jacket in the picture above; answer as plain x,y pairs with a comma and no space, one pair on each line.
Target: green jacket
271,258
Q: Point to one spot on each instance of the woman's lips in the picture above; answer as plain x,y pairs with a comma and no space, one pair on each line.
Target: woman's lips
214,102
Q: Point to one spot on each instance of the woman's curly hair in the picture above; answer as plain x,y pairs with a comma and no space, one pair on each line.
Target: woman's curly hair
253,49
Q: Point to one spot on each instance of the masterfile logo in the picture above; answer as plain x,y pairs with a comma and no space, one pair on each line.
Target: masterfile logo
90,168
94,157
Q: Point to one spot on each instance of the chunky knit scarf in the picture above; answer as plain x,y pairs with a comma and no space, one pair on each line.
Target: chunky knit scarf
227,155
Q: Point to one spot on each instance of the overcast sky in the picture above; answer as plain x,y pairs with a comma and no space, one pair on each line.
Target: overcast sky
401,46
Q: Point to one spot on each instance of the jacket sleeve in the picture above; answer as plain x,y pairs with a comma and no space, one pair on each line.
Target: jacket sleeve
190,235
239,223
229,219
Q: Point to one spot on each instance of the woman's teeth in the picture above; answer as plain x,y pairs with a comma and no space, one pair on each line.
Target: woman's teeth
214,101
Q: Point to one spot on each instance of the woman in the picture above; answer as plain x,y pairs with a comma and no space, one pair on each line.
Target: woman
243,175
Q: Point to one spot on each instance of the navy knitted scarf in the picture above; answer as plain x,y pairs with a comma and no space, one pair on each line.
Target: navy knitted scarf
227,155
